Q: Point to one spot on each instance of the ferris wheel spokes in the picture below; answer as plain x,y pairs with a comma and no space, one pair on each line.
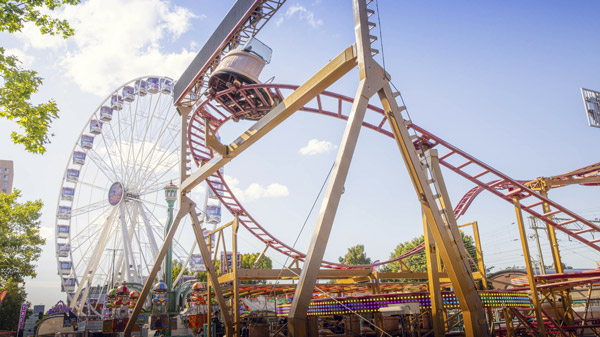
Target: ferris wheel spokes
159,186
90,224
105,169
166,170
149,233
147,129
163,157
93,263
127,233
88,208
115,143
93,186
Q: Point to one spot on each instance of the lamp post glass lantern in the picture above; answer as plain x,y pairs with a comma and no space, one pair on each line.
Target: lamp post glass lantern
170,194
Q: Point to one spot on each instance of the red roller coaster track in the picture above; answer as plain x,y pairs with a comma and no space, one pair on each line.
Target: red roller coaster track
577,176
336,105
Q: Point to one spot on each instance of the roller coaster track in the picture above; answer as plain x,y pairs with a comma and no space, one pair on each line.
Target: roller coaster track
587,176
211,111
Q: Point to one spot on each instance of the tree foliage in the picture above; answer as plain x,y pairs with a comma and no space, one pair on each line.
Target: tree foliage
11,306
249,259
355,255
176,269
20,240
19,84
418,262
248,262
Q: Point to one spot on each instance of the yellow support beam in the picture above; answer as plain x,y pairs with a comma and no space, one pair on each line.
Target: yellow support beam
530,275
435,292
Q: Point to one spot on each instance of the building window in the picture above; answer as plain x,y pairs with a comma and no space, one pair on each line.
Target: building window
5,184
6,170
4,190
5,177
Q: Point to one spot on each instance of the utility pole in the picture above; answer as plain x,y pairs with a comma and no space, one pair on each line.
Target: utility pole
539,247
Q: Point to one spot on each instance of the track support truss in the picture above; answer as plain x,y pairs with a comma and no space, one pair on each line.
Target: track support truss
439,217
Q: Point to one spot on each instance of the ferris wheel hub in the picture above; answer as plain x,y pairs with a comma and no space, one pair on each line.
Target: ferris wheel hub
115,193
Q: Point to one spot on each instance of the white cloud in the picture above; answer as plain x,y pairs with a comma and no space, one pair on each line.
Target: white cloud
303,14
30,34
316,146
47,233
256,191
198,195
111,46
279,22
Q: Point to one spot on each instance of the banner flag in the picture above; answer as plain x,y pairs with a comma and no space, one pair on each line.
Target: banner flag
2,296
22,316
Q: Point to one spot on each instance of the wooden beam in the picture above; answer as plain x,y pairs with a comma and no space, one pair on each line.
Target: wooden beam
324,274
210,269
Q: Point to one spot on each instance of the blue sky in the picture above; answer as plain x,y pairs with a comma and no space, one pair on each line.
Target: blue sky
499,80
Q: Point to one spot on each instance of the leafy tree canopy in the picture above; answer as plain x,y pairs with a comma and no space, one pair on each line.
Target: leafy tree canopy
355,255
19,84
20,240
418,262
249,259
176,269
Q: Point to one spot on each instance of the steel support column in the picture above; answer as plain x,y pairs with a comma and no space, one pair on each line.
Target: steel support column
208,292
558,267
437,306
530,276
479,250
236,282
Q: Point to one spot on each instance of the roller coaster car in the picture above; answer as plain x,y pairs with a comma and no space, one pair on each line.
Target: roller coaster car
241,67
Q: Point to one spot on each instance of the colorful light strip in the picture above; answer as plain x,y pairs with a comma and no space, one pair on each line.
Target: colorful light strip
372,303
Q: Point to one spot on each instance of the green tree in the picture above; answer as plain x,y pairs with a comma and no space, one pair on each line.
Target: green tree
176,269
418,262
11,306
20,240
248,261
18,83
355,255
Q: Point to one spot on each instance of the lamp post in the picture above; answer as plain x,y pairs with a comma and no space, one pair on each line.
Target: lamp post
170,197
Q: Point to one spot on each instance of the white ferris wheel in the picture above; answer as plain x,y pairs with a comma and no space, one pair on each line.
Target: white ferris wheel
111,212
